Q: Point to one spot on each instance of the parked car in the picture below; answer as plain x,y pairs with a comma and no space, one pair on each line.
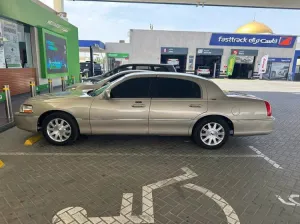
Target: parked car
203,71
175,62
147,67
148,104
89,86
85,67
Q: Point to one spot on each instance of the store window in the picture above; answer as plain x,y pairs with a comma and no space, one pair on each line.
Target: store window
15,45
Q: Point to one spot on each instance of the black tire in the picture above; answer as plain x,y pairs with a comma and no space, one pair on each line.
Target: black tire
73,127
206,121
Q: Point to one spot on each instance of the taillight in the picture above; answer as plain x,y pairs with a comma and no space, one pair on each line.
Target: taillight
269,109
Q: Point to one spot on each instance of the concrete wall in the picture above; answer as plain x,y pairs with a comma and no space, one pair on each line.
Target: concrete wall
146,46
118,48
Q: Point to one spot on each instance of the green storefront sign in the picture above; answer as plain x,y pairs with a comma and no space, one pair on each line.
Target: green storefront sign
117,55
53,31
230,66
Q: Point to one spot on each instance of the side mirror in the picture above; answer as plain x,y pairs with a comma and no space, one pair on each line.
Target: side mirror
107,94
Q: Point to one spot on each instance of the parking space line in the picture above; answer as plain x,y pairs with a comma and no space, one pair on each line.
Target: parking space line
122,154
231,216
272,162
33,139
79,215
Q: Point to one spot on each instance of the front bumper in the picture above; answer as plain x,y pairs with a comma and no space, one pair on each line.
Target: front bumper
253,127
27,122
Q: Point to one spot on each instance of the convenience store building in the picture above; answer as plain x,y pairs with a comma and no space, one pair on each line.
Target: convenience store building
35,45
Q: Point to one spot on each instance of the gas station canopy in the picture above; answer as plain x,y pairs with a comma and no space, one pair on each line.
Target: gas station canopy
98,46
281,4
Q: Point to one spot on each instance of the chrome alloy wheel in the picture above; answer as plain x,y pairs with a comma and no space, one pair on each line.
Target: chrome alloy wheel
59,130
212,134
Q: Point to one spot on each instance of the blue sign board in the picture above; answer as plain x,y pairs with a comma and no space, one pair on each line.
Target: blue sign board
286,60
93,43
251,40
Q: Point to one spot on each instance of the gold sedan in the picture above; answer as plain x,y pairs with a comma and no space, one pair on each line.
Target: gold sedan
148,103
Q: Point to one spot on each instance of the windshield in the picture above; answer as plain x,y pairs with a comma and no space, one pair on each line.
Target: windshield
97,92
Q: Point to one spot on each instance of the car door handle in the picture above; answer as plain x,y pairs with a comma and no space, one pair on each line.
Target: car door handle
195,105
138,105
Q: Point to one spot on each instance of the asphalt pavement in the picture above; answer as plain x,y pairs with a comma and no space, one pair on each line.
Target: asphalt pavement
167,180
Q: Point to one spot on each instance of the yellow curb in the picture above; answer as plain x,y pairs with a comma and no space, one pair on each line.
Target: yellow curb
33,139
1,164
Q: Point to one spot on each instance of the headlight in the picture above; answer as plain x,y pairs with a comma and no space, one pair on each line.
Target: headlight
25,108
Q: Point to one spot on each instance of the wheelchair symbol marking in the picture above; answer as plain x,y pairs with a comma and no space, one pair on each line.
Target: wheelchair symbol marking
79,215
291,199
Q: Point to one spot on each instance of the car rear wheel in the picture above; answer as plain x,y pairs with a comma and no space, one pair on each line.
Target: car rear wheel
211,133
60,129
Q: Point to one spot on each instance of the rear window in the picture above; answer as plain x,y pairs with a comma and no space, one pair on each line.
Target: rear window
203,67
160,69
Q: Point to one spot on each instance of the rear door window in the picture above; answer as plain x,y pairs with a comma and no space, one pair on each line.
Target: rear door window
132,88
175,88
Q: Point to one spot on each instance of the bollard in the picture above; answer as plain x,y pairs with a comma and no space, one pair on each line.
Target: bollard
8,105
32,89
73,79
50,85
63,84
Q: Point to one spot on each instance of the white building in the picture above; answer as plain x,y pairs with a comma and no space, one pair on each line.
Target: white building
194,49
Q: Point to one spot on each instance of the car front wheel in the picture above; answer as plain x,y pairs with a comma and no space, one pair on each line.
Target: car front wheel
211,133
60,129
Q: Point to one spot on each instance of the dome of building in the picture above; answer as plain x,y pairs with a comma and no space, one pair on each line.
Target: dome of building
255,28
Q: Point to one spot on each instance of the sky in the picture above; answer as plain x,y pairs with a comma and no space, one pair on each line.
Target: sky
111,22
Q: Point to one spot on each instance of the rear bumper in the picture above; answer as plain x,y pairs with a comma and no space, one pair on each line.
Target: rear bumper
26,122
253,127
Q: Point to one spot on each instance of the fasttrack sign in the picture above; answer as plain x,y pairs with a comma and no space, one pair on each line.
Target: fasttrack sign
249,40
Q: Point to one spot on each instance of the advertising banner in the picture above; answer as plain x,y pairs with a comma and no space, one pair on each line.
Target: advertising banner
56,54
2,57
277,68
11,45
252,40
191,62
231,63
263,65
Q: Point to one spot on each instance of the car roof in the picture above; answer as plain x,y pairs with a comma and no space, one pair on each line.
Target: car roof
149,64
171,74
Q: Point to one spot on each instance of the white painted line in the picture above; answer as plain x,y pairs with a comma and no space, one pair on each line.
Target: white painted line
123,154
272,162
230,214
79,215
291,199
296,93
